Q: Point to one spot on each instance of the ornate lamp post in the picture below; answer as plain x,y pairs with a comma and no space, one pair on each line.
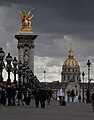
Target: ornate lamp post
8,66
19,72
15,63
2,65
88,93
83,74
23,73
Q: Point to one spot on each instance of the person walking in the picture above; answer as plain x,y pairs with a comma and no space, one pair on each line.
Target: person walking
13,94
8,94
60,94
72,95
49,96
0,93
43,97
3,96
92,100
36,97
19,95
88,96
28,97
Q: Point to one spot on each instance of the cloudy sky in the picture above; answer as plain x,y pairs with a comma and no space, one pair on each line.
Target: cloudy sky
57,23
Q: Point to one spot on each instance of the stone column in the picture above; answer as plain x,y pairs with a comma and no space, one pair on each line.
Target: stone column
26,48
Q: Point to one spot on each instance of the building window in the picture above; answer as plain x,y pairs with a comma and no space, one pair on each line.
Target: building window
73,70
68,70
64,77
68,77
77,77
73,77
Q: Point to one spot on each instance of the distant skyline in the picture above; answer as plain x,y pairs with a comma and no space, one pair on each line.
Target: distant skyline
57,23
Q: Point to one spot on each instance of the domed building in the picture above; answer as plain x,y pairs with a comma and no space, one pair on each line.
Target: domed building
70,69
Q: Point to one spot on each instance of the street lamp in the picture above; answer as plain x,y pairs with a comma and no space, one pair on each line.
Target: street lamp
2,65
23,73
19,72
15,63
44,76
8,66
83,74
88,93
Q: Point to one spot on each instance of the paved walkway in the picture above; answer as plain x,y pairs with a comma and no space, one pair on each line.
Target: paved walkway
73,111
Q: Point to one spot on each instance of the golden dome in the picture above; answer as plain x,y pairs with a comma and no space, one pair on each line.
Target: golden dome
71,61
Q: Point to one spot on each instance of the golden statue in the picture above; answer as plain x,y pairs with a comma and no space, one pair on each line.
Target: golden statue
26,21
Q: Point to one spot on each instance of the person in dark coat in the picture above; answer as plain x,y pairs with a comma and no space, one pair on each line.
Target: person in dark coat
68,95
24,94
88,96
36,97
49,96
43,97
3,96
0,93
19,95
13,94
72,95
92,100
28,97
8,93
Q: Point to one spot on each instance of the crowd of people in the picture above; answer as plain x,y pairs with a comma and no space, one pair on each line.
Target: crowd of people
11,95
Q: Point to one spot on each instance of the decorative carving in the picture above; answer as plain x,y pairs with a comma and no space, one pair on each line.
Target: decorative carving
26,57
20,46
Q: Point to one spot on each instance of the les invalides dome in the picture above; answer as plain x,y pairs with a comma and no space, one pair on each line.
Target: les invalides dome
70,68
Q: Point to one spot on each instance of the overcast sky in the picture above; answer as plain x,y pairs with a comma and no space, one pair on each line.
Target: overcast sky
57,23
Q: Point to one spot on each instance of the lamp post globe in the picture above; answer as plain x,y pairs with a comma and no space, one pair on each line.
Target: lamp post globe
9,59
2,65
8,66
15,62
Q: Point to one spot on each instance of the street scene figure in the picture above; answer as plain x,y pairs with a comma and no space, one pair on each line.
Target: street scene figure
72,95
68,95
36,94
88,96
19,94
43,97
92,100
28,97
49,96
9,95
60,94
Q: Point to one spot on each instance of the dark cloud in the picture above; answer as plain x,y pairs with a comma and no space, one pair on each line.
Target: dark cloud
69,16
52,21
57,23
